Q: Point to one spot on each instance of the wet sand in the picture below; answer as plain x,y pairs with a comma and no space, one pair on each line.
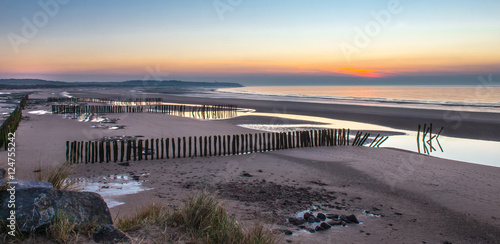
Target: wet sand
418,198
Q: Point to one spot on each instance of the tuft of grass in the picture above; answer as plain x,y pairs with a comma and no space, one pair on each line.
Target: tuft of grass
204,217
259,234
153,214
58,176
62,230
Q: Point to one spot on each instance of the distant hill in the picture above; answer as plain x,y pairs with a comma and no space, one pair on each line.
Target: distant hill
37,83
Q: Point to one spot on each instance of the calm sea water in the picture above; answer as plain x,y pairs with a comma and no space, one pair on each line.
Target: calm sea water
477,98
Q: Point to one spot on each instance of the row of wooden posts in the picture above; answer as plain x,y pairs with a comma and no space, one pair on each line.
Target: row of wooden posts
202,111
205,146
11,123
78,109
151,100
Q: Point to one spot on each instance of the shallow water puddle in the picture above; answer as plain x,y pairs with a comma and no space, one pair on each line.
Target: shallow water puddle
113,186
39,112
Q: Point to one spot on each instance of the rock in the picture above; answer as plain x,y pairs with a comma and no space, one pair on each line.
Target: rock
3,173
22,184
36,208
318,228
325,226
296,221
321,216
334,222
124,164
352,218
396,213
110,234
307,215
344,218
246,175
262,191
311,219
288,232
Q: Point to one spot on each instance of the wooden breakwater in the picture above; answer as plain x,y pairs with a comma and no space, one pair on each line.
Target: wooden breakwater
146,101
195,111
11,123
200,111
78,109
205,146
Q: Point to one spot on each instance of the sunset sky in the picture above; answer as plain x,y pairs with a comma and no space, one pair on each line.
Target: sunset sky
250,41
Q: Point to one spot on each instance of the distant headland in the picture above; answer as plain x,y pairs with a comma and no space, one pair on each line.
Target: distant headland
38,83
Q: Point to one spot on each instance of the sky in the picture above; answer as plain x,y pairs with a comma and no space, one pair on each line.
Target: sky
254,42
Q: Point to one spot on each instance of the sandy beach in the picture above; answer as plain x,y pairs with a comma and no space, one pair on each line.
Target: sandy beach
399,196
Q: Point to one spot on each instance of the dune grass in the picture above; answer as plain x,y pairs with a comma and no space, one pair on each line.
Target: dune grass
202,217
58,176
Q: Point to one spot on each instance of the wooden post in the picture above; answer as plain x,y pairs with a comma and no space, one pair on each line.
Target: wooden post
184,146
67,151
194,145
157,149
268,144
255,143
246,144
418,141
220,145
115,151
260,142
162,147
374,140
210,146
234,145
108,151
237,144
101,152
224,145
242,151
146,149
129,150
77,152
205,153
92,152
173,148
122,151
167,147
201,146
190,152
139,150
178,147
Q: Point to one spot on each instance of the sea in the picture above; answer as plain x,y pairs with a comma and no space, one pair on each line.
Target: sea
470,98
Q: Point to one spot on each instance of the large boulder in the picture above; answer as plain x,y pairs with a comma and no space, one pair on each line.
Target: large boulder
36,208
